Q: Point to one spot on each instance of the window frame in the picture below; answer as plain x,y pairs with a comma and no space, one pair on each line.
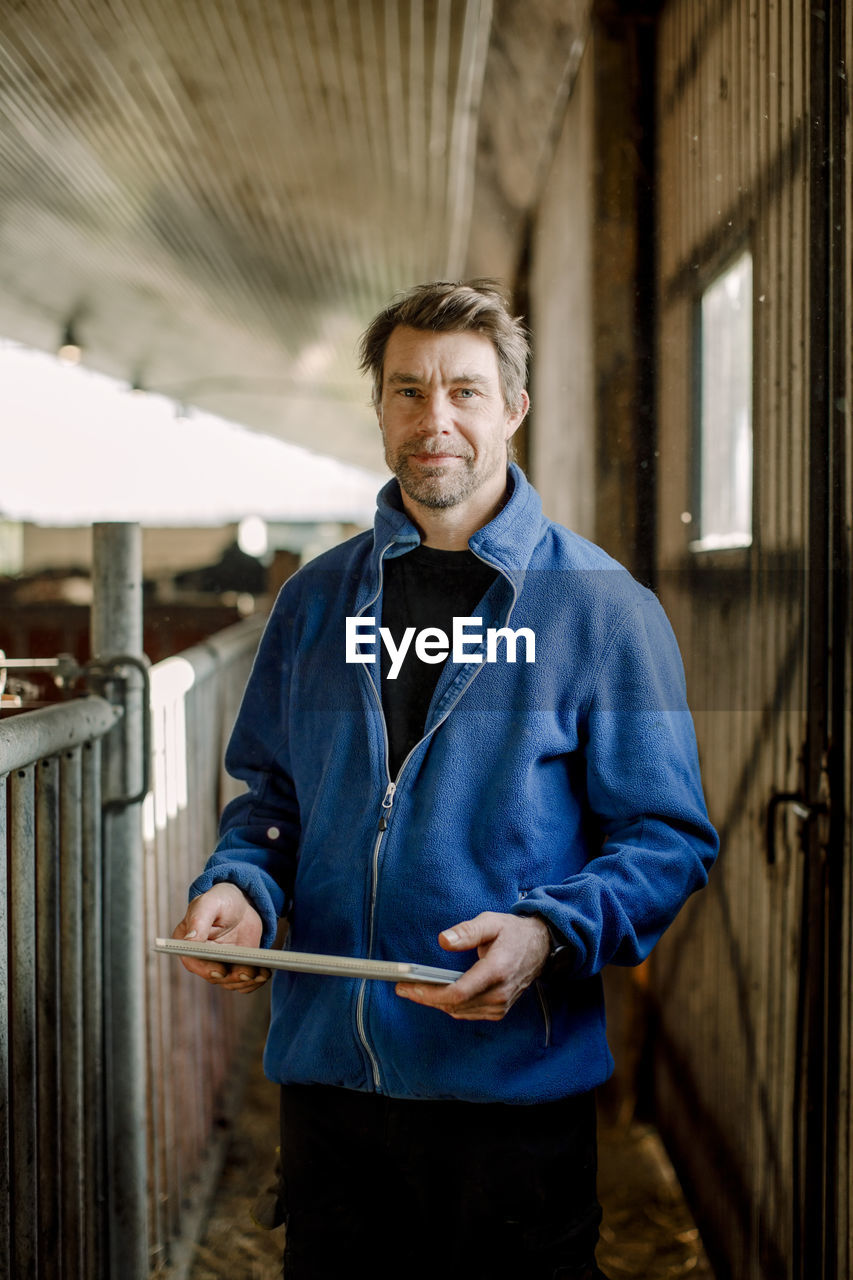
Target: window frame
700,551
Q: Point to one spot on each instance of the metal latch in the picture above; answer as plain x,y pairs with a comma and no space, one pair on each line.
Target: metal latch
65,671
802,808
102,671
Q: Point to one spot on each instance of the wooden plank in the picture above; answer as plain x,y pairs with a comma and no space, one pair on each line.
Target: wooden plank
729,108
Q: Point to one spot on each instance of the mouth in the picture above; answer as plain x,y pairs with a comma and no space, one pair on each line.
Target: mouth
435,458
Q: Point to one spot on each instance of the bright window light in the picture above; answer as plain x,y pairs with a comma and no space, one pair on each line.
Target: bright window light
104,454
724,480
253,536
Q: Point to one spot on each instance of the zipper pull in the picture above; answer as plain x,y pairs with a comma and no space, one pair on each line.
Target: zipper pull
387,802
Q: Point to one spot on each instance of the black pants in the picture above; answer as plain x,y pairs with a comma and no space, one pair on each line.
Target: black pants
386,1188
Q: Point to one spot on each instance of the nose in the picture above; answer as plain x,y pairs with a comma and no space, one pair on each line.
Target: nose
436,417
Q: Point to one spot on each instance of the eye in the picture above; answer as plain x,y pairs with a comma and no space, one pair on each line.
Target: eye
408,393
467,393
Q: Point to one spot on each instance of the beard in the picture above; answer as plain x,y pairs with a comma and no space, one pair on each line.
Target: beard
442,487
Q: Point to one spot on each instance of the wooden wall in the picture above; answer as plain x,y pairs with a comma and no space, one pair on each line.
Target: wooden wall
750,992
843,310
591,299
590,292
741,984
561,445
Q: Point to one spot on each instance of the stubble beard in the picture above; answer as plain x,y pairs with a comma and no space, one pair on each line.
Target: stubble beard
436,490
443,488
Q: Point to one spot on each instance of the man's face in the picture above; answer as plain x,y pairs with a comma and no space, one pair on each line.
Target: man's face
443,417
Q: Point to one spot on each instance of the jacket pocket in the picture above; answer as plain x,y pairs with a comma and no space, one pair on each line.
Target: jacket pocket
544,1007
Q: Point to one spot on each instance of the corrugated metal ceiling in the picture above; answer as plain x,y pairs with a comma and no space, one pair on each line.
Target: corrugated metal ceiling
219,193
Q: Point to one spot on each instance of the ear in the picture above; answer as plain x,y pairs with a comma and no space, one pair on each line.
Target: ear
515,419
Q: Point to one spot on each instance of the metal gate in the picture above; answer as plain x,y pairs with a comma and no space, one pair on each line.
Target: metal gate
117,1068
52,1201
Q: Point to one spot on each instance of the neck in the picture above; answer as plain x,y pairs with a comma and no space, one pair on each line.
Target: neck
449,528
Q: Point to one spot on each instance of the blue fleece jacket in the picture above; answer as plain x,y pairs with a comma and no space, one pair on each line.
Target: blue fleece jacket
567,787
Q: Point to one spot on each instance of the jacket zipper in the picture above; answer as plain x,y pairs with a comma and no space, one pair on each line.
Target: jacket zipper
387,802
385,813
385,808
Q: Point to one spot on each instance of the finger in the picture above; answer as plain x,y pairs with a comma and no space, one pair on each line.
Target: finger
431,996
479,986
193,926
198,921
202,968
490,1007
481,982
469,934
223,975
217,972
243,978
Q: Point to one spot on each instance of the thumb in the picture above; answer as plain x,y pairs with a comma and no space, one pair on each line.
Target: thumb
469,933
200,916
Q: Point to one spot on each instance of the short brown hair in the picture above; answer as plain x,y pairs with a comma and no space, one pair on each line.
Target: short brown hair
446,306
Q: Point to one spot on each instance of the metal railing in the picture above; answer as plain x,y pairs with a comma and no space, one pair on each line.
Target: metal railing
72,1203
52,1151
195,1032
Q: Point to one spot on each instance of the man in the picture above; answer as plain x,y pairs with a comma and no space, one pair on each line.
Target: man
466,745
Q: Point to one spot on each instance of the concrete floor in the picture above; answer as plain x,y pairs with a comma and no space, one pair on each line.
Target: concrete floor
647,1232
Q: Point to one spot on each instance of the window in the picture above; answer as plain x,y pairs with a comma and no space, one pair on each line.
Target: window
724,404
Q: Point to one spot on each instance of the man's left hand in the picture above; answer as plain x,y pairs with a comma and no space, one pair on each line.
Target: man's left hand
512,952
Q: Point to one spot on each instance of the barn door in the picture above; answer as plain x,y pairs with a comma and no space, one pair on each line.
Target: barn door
825,1247
840,396
748,983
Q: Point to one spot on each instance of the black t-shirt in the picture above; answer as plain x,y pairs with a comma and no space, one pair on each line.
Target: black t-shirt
424,588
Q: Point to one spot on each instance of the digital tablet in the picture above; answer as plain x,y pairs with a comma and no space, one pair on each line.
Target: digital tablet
307,962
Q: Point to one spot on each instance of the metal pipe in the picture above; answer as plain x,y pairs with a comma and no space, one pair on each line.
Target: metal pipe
51,1144
5,1112
193,702
49,731
157,1068
47,965
30,664
73,1205
22,1075
229,645
93,1010
117,628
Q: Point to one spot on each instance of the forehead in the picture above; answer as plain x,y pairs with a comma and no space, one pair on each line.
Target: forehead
423,351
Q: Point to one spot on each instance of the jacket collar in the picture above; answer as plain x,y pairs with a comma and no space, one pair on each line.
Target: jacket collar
507,541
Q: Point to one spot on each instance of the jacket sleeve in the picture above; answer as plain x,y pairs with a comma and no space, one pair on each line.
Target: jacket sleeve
259,830
656,843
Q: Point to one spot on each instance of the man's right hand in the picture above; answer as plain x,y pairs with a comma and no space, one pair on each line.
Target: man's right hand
223,914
